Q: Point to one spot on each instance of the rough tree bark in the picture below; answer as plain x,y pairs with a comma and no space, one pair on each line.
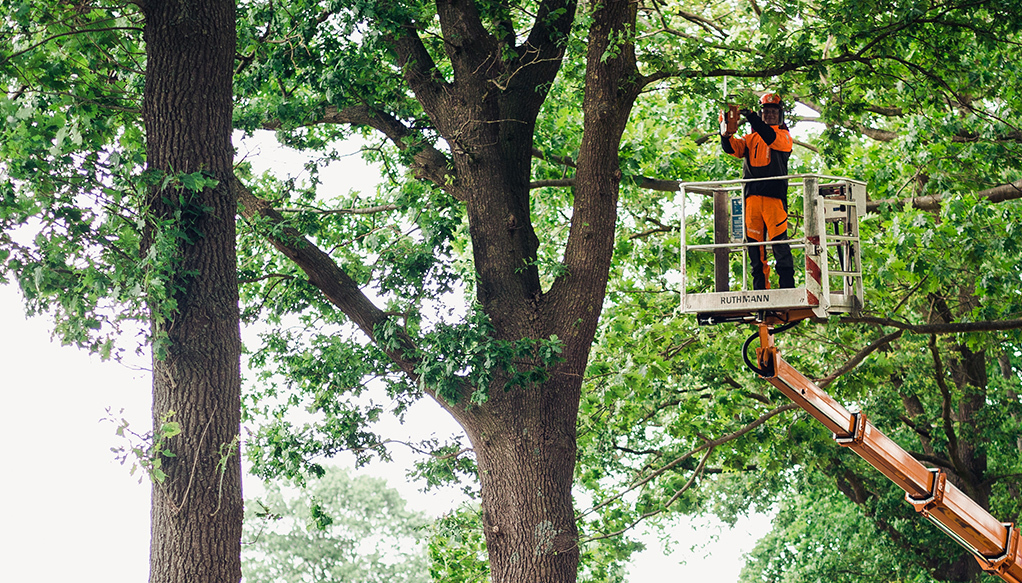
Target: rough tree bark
197,510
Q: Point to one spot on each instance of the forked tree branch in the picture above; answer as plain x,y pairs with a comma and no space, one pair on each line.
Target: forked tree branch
420,71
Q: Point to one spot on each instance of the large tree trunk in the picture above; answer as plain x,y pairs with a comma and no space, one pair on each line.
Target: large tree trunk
525,438
197,509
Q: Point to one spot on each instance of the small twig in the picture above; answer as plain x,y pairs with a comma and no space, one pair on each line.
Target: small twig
709,444
663,508
910,293
352,211
859,357
195,465
69,33
267,276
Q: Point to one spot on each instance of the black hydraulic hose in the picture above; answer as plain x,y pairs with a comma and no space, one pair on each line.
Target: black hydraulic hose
785,328
745,354
769,370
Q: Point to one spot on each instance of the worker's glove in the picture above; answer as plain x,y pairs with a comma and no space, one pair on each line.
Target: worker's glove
749,115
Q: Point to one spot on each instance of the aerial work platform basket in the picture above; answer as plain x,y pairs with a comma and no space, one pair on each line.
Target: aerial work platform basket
824,241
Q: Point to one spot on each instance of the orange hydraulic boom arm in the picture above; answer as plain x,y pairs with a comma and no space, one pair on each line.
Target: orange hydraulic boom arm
994,544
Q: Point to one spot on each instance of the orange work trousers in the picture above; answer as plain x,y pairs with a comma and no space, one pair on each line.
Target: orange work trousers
766,219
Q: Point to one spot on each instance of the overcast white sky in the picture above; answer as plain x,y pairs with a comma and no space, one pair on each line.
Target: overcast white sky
72,513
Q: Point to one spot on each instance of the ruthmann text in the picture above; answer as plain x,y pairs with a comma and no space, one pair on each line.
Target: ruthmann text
746,299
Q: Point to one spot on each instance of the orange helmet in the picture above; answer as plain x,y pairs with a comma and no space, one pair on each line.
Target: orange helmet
771,102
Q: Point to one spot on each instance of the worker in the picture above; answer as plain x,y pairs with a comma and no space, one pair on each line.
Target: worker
765,151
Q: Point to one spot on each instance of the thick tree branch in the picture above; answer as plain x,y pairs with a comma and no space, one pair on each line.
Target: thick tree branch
932,202
611,88
934,460
323,272
851,485
563,182
471,49
429,163
923,432
873,133
949,328
886,111
544,48
338,287
421,73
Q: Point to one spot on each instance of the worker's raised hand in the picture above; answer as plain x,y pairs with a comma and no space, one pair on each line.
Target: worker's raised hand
749,114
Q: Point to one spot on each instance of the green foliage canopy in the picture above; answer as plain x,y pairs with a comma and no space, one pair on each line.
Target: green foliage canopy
919,99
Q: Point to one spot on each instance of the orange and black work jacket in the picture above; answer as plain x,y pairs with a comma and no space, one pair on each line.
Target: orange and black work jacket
765,151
